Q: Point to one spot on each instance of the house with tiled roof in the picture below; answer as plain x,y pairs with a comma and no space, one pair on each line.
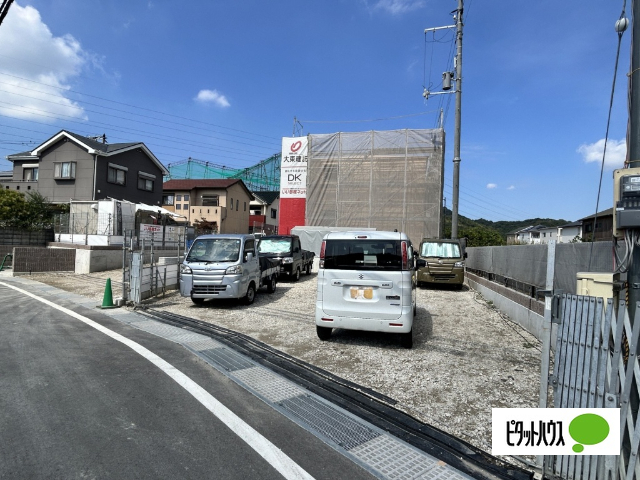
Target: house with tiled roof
224,202
69,166
264,212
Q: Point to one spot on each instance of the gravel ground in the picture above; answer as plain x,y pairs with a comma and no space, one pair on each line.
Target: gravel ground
467,357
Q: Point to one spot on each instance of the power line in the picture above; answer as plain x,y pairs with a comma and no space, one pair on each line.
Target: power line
65,90
4,9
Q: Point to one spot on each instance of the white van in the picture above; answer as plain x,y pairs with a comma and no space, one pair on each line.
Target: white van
366,281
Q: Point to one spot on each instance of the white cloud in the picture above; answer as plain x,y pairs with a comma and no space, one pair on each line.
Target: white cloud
212,96
397,7
491,186
616,153
511,187
35,54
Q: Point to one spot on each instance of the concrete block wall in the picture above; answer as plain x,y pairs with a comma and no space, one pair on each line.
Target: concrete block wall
522,309
42,259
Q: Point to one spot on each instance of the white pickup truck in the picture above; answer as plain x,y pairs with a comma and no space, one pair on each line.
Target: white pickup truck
226,266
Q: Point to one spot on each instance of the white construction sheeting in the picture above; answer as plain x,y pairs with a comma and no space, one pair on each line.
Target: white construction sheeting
385,180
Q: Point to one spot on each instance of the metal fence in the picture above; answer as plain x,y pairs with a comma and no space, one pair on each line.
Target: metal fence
93,223
143,275
524,267
597,366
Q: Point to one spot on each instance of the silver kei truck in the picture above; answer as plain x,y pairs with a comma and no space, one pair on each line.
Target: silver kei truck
226,266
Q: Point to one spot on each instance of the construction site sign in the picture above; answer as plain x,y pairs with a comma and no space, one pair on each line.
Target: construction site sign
293,167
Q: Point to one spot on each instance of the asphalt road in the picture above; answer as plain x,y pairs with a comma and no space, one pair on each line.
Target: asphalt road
77,402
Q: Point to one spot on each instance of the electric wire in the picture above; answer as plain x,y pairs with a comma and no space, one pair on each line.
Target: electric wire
170,126
130,105
369,120
606,137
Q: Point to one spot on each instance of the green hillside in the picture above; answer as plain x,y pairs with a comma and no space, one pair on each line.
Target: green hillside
505,227
483,232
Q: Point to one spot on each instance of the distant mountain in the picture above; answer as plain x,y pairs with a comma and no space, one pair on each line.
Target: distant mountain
483,232
505,227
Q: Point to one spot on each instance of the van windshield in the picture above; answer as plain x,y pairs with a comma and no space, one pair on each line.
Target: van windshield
270,245
363,255
214,250
440,249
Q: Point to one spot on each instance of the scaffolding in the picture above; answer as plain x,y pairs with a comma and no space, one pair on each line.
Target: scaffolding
261,177
382,179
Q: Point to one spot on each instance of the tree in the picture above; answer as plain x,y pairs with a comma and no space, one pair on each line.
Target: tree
481,237
13,209
205,226
32,213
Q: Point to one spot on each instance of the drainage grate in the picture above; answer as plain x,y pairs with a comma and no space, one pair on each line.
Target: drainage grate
397,460
328,421
270,386
226,359
205,343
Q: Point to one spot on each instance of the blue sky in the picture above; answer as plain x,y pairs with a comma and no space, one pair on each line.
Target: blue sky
222,81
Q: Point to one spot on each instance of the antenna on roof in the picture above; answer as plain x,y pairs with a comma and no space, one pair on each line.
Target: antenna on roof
100,138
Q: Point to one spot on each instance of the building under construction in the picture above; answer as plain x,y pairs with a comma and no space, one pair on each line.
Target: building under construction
382,179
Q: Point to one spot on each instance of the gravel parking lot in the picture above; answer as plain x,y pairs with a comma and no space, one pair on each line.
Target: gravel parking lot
467,357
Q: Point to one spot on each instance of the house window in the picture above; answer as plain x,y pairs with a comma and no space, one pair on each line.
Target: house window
168,199
179,198
116,174
274,213
30,174
186,198
232,204
178,206
146,181
210,200
185,206
64,170
245,206
145,184
237,205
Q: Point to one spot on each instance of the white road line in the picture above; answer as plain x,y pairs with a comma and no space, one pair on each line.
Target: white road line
267,450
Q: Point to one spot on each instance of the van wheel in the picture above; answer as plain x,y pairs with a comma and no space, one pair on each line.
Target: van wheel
324,333
271,286
406,339
307,269
296,276
197,301
251,294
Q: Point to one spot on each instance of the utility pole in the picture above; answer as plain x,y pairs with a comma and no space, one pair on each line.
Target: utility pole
633,276
446,87
456,133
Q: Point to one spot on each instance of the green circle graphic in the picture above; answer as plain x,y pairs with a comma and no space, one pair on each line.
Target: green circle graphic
588,429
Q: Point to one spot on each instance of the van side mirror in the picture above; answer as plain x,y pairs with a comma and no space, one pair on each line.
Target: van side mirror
249,257
421,262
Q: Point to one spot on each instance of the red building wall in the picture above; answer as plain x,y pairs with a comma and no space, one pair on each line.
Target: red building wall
292,211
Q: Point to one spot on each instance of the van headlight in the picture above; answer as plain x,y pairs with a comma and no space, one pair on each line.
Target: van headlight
235,270
458,264
287,260
184,269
